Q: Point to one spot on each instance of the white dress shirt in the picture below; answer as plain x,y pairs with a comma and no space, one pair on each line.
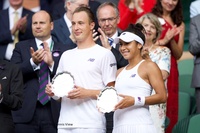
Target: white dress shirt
68,23
11,46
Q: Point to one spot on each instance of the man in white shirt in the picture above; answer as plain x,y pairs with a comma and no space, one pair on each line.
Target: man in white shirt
93,68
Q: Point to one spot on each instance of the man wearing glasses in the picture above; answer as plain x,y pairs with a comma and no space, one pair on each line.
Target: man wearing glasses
62,26
108,18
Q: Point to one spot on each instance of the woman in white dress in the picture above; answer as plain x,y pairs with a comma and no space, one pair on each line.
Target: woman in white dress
134,84
161,55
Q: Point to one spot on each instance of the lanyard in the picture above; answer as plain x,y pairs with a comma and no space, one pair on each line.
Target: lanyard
51,46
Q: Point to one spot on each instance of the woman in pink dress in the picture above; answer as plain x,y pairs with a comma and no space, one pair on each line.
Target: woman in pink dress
171,17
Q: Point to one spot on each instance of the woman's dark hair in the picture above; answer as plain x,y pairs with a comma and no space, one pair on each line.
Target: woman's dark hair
137,29
176,14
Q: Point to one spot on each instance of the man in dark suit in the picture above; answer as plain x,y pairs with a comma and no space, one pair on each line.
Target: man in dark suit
10,30
108,18
11,90
36,116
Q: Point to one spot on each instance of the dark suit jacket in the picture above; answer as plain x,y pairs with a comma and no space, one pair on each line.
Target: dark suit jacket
5,34
48,5
11,81
21,56
194,48
58,10
60,32
121,62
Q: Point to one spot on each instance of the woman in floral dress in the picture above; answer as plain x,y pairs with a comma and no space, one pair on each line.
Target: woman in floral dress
161,56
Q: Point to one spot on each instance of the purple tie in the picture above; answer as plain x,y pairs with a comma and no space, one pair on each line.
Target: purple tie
43,75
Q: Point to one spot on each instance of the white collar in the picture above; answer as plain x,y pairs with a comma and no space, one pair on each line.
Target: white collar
11,10
115,35
38,42
68,22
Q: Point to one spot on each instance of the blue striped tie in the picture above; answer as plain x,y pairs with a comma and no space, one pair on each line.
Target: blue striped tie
43,75
110,40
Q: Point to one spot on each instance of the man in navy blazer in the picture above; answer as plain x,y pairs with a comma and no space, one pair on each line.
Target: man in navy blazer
8,28
35,117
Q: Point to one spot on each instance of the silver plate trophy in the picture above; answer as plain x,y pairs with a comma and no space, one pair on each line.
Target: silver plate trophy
62,83
107,99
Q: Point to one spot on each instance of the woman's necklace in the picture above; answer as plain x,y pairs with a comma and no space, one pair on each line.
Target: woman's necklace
150,47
